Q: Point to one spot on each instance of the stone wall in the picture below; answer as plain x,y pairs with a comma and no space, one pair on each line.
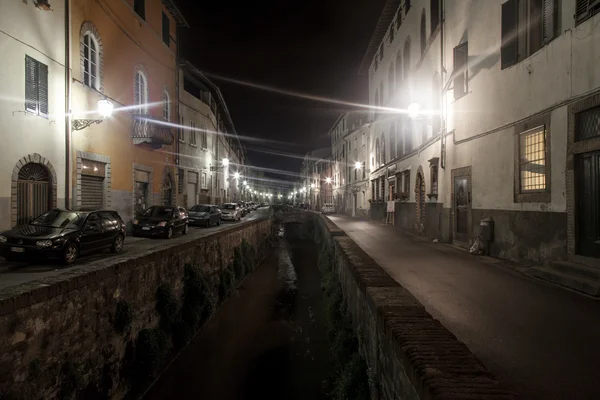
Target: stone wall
410,353
60,332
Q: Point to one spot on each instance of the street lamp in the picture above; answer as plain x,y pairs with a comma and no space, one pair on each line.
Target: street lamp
245,183
105,109
358,165
225,162
328,180
236,175
413,110
312,185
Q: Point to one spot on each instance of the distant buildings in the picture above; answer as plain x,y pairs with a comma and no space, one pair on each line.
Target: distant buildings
106,133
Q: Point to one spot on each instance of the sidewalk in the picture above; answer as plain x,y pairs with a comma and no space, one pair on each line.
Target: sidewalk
540,338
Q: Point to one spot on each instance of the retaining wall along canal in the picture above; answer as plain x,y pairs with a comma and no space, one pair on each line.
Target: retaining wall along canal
77,334
410,354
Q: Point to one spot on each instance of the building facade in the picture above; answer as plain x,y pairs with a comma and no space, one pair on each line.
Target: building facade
124,52
211,159
32,111
490,109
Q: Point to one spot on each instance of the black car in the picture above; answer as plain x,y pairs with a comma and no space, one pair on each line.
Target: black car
204,215
161,221
64,234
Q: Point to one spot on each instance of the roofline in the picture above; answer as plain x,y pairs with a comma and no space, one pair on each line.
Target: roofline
386,17
177,15
337,121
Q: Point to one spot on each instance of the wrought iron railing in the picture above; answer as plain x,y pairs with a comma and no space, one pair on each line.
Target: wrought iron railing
148,129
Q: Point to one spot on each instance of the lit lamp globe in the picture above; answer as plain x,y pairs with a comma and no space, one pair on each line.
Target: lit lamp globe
236,175
357,165
225,162
105,108
413,110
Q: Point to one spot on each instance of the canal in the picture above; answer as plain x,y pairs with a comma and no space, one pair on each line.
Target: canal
268,341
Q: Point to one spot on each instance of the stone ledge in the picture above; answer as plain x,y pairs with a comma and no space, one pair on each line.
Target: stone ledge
438,365
332,228
22,296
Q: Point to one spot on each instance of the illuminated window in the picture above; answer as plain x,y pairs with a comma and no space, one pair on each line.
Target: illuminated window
532,160
90,61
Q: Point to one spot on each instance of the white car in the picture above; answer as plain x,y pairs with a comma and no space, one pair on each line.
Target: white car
328,208
230,212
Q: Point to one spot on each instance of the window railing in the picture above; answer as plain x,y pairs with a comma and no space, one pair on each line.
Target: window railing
147,129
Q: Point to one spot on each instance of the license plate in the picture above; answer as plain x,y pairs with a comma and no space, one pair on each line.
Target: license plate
17,249
145,228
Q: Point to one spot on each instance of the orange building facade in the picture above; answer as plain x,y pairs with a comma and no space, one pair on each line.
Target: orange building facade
124,53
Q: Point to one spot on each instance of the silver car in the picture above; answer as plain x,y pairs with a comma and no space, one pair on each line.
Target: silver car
231,212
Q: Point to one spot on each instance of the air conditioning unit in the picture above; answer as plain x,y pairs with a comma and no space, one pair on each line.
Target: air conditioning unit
44,5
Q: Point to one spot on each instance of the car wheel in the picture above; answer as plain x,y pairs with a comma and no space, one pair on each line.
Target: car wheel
117,245
70,253
169,233
185,229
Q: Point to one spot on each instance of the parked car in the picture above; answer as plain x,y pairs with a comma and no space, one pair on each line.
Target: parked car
328,208
243,208
161,221
252,206
64,234
204,215
230,212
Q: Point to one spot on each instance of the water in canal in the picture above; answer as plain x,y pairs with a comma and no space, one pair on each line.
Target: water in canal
266,342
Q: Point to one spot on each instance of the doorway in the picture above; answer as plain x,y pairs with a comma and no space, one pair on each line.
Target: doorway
461,204
587,189
355,200
33,192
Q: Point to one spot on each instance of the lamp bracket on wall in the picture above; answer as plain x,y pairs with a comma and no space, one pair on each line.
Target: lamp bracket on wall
79,124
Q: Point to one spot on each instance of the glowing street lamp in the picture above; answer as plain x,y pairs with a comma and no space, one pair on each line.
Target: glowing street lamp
105,108
225,162
236,175
312,185
413,110
358,165
328,180
245,183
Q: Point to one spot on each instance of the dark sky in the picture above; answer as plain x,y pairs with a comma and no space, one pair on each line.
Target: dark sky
311,46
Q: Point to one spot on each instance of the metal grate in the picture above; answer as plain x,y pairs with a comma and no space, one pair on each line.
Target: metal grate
587,124
33,192
532,164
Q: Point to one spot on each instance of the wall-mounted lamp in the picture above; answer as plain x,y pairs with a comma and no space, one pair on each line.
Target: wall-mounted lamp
105,109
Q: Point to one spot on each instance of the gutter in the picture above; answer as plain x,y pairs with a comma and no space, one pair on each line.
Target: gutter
67,104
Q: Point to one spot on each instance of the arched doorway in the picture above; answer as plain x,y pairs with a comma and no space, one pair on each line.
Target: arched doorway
34,191
420,202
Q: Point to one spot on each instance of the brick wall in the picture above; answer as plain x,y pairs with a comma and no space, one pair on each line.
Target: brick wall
411,354
68,319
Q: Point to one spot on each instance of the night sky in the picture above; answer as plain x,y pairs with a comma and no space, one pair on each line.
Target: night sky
310,46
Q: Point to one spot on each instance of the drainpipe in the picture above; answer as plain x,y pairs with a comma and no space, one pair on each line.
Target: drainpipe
443,113
67,104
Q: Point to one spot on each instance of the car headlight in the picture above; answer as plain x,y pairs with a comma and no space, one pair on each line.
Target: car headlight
43,243
164,223
3,239
135,221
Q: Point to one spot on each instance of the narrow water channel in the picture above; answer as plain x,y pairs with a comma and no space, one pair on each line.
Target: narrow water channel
266,342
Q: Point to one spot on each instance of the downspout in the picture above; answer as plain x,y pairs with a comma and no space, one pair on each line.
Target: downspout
443,111
177,148
67,104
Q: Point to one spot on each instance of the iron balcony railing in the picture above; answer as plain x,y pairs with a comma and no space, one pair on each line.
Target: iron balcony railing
148,129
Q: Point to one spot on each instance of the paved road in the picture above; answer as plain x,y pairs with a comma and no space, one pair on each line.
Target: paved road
540,338
12,274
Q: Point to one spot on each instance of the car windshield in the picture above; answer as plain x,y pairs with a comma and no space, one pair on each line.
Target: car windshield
228,206
59,219
158,212
200,209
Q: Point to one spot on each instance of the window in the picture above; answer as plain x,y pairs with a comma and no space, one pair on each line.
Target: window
90,61
399,18
391,82
406,6
383,159
364,170
192,133
434,179
434,6
204,137
166,106
406,176
140,92
527,25
436,117
376,101
399,139
587,124
461,55
203,182
399,67
381,93
36,87
423,33
181,130
393,142
381,52
584,9
406,56
180,181
166,29
408,138
532,160
377,154
391,34
139,6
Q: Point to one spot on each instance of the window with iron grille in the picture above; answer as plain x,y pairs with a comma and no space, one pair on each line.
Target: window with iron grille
461,57
90,60
192,133
180,181
166,29
36,86
527,26
532,160
587,124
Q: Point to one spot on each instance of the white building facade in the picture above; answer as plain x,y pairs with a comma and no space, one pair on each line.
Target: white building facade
509,128
32,110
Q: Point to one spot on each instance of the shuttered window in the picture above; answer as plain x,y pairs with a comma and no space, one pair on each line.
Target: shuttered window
92,192
461,56
527,26
584,9
36,86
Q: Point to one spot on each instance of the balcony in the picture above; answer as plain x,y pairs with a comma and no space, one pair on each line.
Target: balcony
151,130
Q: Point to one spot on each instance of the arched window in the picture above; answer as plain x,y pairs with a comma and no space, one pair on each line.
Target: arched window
399,67
140,92
166,106
423,33
436,121
406,58
435,14
377,154
91,61
393,141
391,82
